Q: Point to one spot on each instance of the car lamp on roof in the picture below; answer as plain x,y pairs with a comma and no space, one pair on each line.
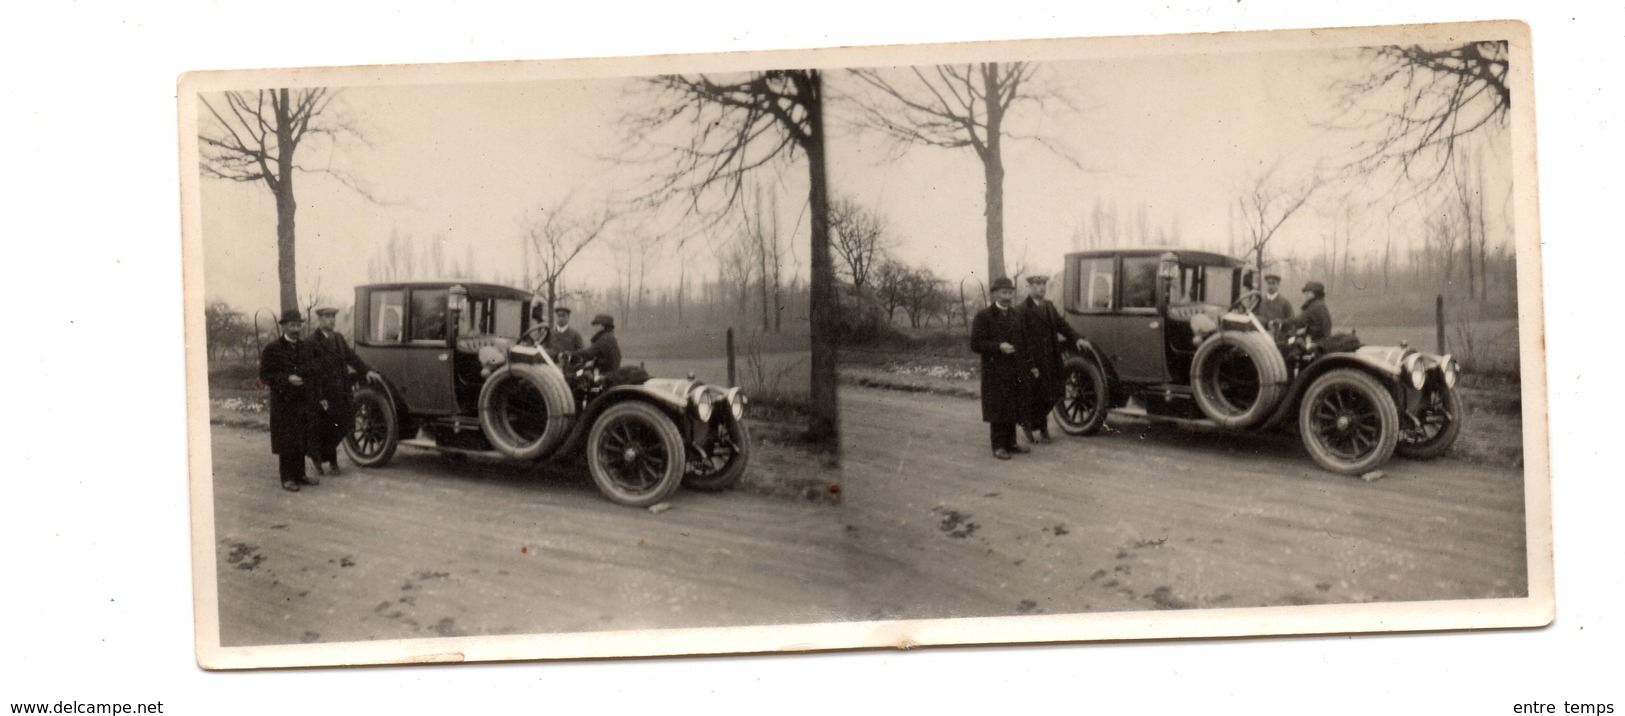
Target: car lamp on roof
457,298
1168,266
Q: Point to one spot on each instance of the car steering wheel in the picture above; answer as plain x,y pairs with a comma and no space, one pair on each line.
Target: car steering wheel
536,335
1248,302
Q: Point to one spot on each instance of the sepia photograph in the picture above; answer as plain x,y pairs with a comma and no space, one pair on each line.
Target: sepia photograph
954,344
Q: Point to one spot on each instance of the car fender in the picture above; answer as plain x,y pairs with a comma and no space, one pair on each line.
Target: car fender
1380,362
659,396
1088,351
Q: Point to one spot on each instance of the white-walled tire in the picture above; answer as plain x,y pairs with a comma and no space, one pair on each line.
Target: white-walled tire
526,410
1237,378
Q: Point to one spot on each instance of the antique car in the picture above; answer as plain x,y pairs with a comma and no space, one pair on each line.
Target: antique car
464,371
1171,335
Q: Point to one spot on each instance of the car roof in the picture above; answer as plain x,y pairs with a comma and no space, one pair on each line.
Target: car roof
1201,256
475,288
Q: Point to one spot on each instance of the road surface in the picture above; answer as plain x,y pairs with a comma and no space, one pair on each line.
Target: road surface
1152,517
432,546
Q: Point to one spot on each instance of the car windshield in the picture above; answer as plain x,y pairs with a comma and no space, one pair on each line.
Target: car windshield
492,316
1204,284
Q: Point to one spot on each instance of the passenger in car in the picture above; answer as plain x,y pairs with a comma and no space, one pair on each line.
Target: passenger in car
1273,306
605,351
1316,319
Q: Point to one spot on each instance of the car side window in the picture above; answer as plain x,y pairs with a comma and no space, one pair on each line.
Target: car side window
384,311
508,314
1140,281
429,315
1094,289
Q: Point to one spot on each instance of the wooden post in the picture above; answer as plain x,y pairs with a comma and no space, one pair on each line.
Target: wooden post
1438,319
732,382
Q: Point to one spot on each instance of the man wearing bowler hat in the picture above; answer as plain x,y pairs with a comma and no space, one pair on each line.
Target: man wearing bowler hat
336,362
1046,333
288,371
1273,306
1007,371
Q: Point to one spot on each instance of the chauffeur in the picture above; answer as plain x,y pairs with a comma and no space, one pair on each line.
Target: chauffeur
335,363
288,371
1044,329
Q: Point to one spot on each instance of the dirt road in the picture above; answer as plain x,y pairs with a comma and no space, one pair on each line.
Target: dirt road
437,546
1152,517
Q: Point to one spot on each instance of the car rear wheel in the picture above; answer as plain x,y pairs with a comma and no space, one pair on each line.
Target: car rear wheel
372,438
1348,422
1237,378
1084,397
729,451
525,410
635,454
1439,424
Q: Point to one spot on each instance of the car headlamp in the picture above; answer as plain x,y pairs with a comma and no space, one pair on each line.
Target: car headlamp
1417,369
1450,370
702,401
736,403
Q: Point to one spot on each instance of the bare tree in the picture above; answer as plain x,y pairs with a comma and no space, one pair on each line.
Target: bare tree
1444,95
735,126
888,286
922,294
959,106
858,236
1266,204
557,237
255,137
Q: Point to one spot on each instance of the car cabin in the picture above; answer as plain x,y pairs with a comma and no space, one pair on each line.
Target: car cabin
422,336
1135,305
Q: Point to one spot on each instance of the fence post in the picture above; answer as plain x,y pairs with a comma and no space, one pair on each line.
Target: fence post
732,382
1438,320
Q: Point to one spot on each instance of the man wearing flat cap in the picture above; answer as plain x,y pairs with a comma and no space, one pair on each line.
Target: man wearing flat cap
1007,372
336,364
288,371
563,338
1316,318
1047,334
1273,306
605,351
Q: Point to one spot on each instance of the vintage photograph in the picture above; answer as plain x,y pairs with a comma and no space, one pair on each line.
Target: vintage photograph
1238,334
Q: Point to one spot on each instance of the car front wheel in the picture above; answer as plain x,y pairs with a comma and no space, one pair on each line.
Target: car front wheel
635,454
1348,422
728,451
372,438
1438,424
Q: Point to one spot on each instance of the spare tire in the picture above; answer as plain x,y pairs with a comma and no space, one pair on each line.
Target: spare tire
1237,377
526,410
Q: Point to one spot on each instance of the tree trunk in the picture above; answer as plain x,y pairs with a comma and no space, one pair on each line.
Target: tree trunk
823,423
285,204
993,171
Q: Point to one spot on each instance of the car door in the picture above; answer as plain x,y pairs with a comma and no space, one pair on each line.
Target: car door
1137,347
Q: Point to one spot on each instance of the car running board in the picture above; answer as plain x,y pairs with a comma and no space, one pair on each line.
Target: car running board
1135,411
427,444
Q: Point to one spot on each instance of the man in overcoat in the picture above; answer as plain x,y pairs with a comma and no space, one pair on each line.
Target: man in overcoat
1007,371
336,362
288,371
1046,333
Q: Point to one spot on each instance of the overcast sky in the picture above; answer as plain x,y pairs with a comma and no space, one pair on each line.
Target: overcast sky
462,164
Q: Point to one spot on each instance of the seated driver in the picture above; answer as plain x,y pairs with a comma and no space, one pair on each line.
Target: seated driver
605,351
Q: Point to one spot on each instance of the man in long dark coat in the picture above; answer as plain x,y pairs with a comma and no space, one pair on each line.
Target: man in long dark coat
336,362
1007,372
1046,333
288,370
605,351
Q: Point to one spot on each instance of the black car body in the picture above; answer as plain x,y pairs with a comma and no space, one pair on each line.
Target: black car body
464,371
1171,335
